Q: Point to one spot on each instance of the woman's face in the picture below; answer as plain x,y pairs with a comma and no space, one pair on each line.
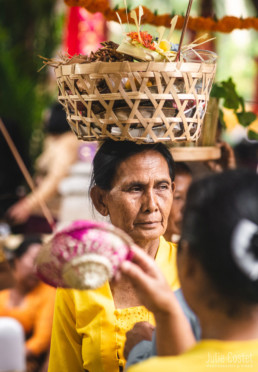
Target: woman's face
182,183
25,271
141,196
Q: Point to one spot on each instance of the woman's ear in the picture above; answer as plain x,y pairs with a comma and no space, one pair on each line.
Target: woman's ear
98,197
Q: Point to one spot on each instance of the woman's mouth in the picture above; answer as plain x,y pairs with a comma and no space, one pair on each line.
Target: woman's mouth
147,224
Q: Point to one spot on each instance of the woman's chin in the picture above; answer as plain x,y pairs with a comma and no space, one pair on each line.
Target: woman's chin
147,234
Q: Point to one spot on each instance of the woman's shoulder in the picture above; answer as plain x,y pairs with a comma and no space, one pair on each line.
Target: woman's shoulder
4,296
43,292
166,260
84,298
167,251
223,355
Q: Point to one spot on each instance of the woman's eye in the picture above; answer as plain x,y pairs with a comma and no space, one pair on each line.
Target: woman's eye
135,189
163,186
177,197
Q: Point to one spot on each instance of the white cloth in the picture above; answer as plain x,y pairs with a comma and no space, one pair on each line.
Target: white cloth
12,345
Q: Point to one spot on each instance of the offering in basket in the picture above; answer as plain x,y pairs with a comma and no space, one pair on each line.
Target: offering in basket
83,255
138,90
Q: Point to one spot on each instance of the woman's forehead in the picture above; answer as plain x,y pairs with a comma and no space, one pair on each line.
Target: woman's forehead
143,166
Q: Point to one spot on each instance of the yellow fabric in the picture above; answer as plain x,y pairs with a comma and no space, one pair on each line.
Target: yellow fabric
35,314
89,333
208,355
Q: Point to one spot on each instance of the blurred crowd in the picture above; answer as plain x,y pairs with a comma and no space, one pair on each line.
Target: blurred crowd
62,178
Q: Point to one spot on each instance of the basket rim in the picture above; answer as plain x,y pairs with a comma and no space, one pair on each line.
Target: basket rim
126,67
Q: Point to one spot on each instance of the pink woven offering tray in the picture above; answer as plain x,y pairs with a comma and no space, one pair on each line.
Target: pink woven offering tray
83,255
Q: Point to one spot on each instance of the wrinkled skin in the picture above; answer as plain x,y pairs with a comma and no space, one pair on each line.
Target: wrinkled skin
141,196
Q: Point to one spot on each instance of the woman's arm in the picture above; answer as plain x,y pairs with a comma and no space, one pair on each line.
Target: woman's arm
58,168
173,331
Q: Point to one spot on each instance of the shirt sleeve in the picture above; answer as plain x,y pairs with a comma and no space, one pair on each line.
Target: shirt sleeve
142,351
66,343
192,318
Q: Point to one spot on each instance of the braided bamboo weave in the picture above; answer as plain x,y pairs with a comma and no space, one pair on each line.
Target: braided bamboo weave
136,101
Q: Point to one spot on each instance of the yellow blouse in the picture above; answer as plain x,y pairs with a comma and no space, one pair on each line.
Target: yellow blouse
89,332
207,355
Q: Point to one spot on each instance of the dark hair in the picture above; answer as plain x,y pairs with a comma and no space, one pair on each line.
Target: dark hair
112,153
182,168
57,122
214,207
25,244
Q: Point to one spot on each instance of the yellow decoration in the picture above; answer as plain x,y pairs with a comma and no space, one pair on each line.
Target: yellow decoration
164,45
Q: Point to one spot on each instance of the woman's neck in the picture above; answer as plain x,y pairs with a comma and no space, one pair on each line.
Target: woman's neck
17,295
149,247
123,292
221,326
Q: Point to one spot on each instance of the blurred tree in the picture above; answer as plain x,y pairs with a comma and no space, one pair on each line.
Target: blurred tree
207,10
255,4
28,28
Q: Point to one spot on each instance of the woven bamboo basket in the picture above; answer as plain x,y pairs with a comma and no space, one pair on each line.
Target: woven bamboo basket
144,102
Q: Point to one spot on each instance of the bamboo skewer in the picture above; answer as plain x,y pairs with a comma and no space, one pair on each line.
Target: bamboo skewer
26,174
184,28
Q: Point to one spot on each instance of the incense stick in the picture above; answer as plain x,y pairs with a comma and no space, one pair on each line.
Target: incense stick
184,28
26,174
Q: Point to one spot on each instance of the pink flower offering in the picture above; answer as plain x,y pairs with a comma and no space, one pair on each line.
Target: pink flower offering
84,255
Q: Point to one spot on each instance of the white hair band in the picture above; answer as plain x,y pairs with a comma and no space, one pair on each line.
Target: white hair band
240,246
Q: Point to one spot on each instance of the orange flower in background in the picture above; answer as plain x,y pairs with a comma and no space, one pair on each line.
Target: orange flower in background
225,24
180,22
110,15
147,17
162,20
252,22
229,23
197,24
92,6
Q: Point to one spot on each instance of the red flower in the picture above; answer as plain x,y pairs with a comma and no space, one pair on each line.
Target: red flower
146,39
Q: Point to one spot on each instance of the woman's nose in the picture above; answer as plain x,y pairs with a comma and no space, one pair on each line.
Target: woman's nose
149,203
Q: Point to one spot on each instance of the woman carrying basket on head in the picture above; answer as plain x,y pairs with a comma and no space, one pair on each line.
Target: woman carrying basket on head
133,185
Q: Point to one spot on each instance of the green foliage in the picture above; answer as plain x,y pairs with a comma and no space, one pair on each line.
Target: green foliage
27,29
226,90
252,135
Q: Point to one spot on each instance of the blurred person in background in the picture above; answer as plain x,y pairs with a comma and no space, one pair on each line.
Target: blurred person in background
11,178
218,271
6,277
60,151
30,302
246,153
183,179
